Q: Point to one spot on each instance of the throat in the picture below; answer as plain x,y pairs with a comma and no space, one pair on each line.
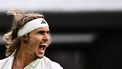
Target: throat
22,59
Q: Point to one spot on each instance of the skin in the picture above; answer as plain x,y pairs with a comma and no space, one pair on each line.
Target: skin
38,41
40,37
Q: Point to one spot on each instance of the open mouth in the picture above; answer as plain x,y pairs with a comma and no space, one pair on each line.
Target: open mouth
42,46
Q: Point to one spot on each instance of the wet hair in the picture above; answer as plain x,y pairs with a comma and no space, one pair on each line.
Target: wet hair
20,18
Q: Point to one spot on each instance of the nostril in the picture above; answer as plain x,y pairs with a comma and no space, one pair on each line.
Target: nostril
45,38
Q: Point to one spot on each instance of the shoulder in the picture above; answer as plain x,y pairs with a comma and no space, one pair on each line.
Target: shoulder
6,61
3,60
52,64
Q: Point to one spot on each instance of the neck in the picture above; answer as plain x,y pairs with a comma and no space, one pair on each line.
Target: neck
23,58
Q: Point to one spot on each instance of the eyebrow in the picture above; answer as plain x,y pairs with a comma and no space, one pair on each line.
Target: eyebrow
44,31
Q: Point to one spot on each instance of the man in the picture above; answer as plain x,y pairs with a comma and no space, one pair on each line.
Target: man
26,42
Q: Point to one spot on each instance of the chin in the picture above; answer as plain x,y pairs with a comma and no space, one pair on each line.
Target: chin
40,55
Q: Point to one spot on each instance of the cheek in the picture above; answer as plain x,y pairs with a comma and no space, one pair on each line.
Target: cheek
33,45
35,40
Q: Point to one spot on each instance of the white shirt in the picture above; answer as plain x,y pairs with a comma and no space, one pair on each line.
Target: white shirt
43,63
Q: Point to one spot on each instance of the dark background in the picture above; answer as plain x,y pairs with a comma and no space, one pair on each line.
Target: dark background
102,53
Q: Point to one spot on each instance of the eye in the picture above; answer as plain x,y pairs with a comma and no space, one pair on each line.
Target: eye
48,32
41,32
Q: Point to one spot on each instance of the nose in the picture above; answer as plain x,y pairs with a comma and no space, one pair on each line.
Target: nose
46,37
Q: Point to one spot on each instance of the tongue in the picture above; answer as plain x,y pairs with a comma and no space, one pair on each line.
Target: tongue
41,50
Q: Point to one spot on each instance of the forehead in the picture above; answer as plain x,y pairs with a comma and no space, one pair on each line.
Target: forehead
44,28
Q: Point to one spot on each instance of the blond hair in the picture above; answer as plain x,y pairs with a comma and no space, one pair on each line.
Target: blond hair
20,18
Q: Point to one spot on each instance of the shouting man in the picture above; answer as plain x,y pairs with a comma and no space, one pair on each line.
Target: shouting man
26,42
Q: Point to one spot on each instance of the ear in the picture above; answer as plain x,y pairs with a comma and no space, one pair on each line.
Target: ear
24,39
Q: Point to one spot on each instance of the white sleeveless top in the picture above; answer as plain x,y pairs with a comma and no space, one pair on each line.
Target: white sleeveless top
43,63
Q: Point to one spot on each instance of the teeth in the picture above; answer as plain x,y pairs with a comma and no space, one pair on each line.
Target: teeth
43,45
